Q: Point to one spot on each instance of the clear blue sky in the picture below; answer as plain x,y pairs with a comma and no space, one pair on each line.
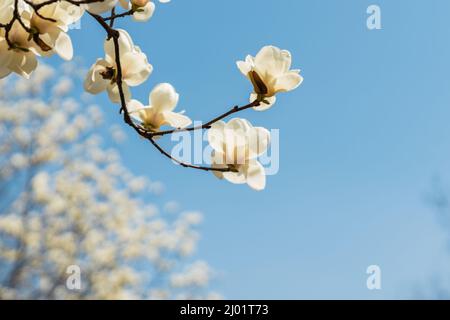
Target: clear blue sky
361,140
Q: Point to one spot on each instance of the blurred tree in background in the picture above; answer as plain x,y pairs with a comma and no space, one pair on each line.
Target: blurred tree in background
66,199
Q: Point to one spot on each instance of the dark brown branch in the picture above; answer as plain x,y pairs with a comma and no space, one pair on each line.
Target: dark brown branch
209,123
114,16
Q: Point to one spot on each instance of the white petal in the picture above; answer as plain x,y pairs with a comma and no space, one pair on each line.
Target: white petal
136,68
217,162
134,106
216,136
113,92
245,66
4,72
236,177
272,61
259,140
100,7
287,82
255,175
63,46
144,13
238,125
125,45
24,64
94,82
176,120
164,97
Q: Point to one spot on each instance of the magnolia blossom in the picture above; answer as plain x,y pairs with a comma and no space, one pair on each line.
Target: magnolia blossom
236,146
51,36
36,37
142,9
103,74
270,74
162,101
21,56
101,6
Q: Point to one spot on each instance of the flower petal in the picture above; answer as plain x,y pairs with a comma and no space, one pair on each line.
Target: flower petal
272,61
236,177
144,13
63,46
176,120
164,97
113,92
287,82
134,106
255,175
216,136
136,68
94,82
125,45
259,140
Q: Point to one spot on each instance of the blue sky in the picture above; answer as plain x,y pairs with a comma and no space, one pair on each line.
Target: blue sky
360,140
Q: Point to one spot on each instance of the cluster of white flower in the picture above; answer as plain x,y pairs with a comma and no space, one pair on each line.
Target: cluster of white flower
66,200
38,28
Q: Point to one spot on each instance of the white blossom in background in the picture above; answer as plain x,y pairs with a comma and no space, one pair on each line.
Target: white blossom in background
103,74
66,199
270,74
237,145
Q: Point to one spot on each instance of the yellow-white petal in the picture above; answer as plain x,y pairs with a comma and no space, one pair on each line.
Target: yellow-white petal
216,136
125,45
24,64
245,66
164,97
255,175
113,92
100,7
134,106
94,82
272,61
144,13
288,81
176,120
135,67
259,140
63,46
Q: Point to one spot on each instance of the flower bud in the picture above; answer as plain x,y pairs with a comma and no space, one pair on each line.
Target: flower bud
139,3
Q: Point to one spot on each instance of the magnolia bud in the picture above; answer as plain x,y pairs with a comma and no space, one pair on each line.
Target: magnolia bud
139,3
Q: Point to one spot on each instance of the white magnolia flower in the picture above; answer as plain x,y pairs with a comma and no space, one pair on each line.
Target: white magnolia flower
162,101
270,74
103,74
51,36
21,56
100,7
236,146
143,9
